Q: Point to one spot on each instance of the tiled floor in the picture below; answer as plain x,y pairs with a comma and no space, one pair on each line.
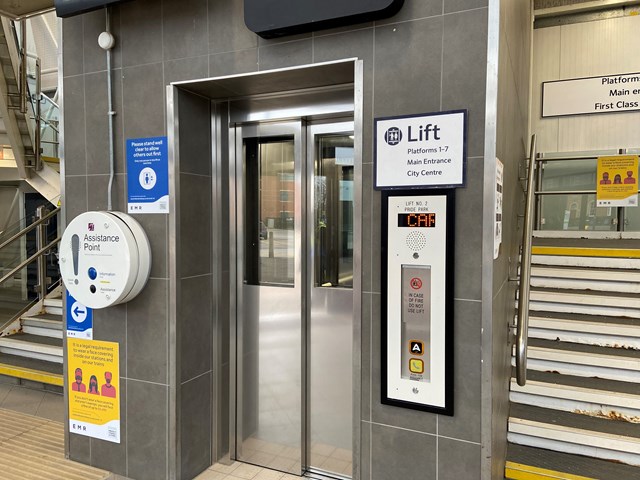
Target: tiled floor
242,471
32,402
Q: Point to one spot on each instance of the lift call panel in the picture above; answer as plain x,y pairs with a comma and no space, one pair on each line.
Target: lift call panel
417,357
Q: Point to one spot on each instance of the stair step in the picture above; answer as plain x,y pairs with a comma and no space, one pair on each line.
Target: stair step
588,262
53,305
612,332
537,463
584,360
574,433
603,280
45,324
585,400
584,382
612,304
31,369
604,274
32,346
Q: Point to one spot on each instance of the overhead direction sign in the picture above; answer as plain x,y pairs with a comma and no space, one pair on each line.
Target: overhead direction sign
581,96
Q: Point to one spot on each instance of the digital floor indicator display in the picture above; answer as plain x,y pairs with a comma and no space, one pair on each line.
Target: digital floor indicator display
417,331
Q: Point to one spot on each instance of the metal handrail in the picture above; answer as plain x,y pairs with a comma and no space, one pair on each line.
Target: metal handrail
23,66
30,228
32,258
525,273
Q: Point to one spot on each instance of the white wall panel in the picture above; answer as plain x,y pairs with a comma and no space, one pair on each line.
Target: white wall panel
596,48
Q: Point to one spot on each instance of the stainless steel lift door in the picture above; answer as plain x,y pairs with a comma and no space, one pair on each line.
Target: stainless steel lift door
269,296
330,317
294,297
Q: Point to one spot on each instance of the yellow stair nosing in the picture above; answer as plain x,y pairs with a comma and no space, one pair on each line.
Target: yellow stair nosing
519,471
31,374
586,252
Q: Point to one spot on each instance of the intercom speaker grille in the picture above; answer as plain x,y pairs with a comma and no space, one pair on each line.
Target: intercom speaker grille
416,240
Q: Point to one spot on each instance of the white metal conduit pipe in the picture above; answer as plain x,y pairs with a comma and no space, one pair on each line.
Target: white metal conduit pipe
106,42
525,273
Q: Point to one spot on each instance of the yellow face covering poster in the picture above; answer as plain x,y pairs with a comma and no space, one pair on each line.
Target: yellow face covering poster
617,181
93,378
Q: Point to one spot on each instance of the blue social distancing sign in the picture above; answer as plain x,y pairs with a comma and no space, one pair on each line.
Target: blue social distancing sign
147,175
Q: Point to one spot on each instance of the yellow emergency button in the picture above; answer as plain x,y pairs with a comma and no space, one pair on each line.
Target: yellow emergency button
416,365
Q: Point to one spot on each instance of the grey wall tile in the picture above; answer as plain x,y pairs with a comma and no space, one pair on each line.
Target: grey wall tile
287,38
195,134
74,201
195,228
465,423
195,426
233,63
221,422
156,227
285,54
367,196
108,455
80,448
195,315
413,10
376,241
365,451
141,35
365,343
467,460
110,325
97,187
459,5
147,447
72,46
385,414
397,454
464,71
95,58
74,122
97,122
410,86
467,268
184,28
357,43
227,30
345,29
147,333
186,69
144,101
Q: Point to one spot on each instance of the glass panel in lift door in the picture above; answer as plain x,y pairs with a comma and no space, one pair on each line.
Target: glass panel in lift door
333,206
269,211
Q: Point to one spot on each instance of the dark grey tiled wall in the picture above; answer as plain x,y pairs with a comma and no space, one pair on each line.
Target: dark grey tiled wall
429,57
194,306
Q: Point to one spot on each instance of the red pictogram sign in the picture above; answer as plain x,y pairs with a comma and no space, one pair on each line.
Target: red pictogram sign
416,283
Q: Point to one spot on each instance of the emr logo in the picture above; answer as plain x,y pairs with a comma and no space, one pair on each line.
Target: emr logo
393,136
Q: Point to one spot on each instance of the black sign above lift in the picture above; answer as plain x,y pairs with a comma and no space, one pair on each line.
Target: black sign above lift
69,8
277,18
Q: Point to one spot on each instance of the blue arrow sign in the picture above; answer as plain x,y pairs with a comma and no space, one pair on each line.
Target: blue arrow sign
79,319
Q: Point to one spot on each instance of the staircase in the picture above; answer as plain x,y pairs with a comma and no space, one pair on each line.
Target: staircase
18,129
578,415
32,349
